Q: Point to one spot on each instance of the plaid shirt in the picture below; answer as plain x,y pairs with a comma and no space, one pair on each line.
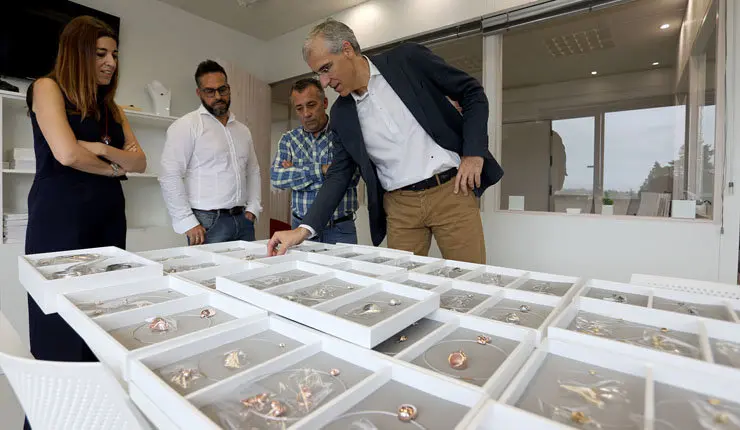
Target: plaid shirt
305,178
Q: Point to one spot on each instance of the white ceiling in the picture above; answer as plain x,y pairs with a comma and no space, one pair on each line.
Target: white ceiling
264,19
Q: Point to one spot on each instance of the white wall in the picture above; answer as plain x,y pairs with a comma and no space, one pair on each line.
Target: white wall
159,41
377,22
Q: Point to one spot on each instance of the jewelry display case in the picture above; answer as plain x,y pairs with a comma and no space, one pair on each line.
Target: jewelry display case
650,334
115,336
495,276
312,375
364,268
186,259
449,269
464,297
411,262
352,251
418,280
552,285
592,388
358,309
207,277
471,350
402,396
522,308
308,257
239,249
706,306
46,276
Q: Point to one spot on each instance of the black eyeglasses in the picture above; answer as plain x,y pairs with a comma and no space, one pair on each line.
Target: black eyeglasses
210,93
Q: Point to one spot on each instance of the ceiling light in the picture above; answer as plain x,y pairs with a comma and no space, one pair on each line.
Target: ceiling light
594,72
665,26
656,63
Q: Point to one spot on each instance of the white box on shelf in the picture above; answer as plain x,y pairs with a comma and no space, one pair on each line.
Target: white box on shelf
439,403
683,209
513,344
45,291
364,268
411,304
656,332
495,416
207,277
522,308
102,333
185,258
314,355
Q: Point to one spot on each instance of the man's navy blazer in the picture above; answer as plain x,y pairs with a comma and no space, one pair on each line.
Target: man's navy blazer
422,80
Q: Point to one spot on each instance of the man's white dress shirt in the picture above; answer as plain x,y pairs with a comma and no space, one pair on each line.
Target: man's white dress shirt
206,165
402,151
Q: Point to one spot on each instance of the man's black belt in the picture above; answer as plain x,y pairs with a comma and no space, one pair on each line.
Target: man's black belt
348,217
236,210
438,179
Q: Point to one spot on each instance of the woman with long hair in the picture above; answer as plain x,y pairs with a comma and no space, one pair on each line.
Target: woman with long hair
84,146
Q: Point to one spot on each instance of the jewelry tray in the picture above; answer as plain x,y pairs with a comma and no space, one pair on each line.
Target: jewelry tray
644,382
418,280
308,257
495,352
449,268
112,336
364,268
705,306
207,277
414,303
239,249
185,259
521,308
359,372
361,252
703,333
45,291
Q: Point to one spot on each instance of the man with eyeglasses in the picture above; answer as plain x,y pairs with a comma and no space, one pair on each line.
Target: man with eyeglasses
210,177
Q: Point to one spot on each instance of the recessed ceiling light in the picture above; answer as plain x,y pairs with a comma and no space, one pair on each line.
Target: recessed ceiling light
656,63
665,26
594,72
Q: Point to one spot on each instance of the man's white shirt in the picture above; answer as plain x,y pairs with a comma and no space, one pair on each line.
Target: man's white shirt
206,165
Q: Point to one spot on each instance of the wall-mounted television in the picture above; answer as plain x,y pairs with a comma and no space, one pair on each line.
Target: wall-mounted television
29,34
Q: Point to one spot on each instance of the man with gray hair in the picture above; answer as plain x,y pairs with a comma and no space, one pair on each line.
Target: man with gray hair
423,162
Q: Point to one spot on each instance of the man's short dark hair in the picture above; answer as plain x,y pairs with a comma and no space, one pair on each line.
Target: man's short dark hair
206,67
301,85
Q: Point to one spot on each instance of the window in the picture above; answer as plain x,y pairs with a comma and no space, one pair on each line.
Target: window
612,112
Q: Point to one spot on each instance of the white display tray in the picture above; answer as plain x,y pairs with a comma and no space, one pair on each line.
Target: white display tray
706,306
207,277
320,316
45,291
410,262
184,411
308,257
418,280
497,416
233,246
494,385
173,263
453,291
668,372
96,330
306,246
367,249
509,277
380,256
529,281
441,405
363,268
663,320
463,268
492,309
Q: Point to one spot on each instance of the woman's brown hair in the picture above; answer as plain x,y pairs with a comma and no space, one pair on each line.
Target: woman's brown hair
74,70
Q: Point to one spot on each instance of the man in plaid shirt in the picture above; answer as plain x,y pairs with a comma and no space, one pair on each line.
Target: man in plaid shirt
303,157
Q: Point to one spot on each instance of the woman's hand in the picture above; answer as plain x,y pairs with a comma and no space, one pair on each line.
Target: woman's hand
97,148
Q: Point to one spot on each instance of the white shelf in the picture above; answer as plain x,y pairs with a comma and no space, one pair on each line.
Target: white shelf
12,95
153,118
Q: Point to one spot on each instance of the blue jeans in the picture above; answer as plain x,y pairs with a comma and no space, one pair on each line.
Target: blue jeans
344,232
225,228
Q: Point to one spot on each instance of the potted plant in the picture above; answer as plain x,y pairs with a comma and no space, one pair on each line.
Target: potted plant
607,205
